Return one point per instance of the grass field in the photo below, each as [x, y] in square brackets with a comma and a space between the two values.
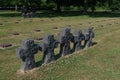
[100, 62]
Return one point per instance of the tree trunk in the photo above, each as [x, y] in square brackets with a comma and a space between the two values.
[93, 9]
[110, 2]
[58, 6]
[85, 6]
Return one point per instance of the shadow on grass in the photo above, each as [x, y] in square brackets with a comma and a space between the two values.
[39, 63]
[78, 13]
[94, 43]
[45, 14]
[72, 51]
[10, 14]
[57, 56]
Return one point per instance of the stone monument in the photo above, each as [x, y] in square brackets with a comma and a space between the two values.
[78, 37]
[47, 47]
[26, 53]
[89, 35]
[64, 39]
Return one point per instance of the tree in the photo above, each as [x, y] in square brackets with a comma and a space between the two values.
[58, 5]
[85, 6]
[114, 5]
[92, 4]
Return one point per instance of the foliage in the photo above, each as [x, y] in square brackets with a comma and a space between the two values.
[60, 4]
[115, 5]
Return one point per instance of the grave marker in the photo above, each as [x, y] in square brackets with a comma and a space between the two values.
[89, 34]
[26, 53]
[78, 37]
[47, 47]
[64, 39]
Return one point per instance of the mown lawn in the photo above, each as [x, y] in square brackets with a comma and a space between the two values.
[100, 62]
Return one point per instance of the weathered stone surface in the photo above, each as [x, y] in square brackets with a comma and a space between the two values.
[38, 38]
[29, 48]
[5, 45]
[47, 47]
[15, 33]
[55, 27]
[64, 39]
[89, 35]
[26, 53]
[78, 37]
[16, 22]
[37, 30]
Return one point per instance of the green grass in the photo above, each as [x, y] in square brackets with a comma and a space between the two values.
[100, 62]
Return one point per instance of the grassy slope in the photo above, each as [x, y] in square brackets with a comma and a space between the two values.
[100, 62]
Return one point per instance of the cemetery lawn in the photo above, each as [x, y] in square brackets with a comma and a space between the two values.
[99, 62]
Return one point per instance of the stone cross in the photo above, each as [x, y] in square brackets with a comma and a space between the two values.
[64, 39]
[26, 53]
[47, 47]
[24, 11]
[89, 34]
[78, 37]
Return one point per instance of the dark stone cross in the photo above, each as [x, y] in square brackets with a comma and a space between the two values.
[26, 53]
[15, 33]
[47, 47]
[5, 45]
[28, 13]
[24, 12]
[64, 39]
[78, 37]
[89, 34]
